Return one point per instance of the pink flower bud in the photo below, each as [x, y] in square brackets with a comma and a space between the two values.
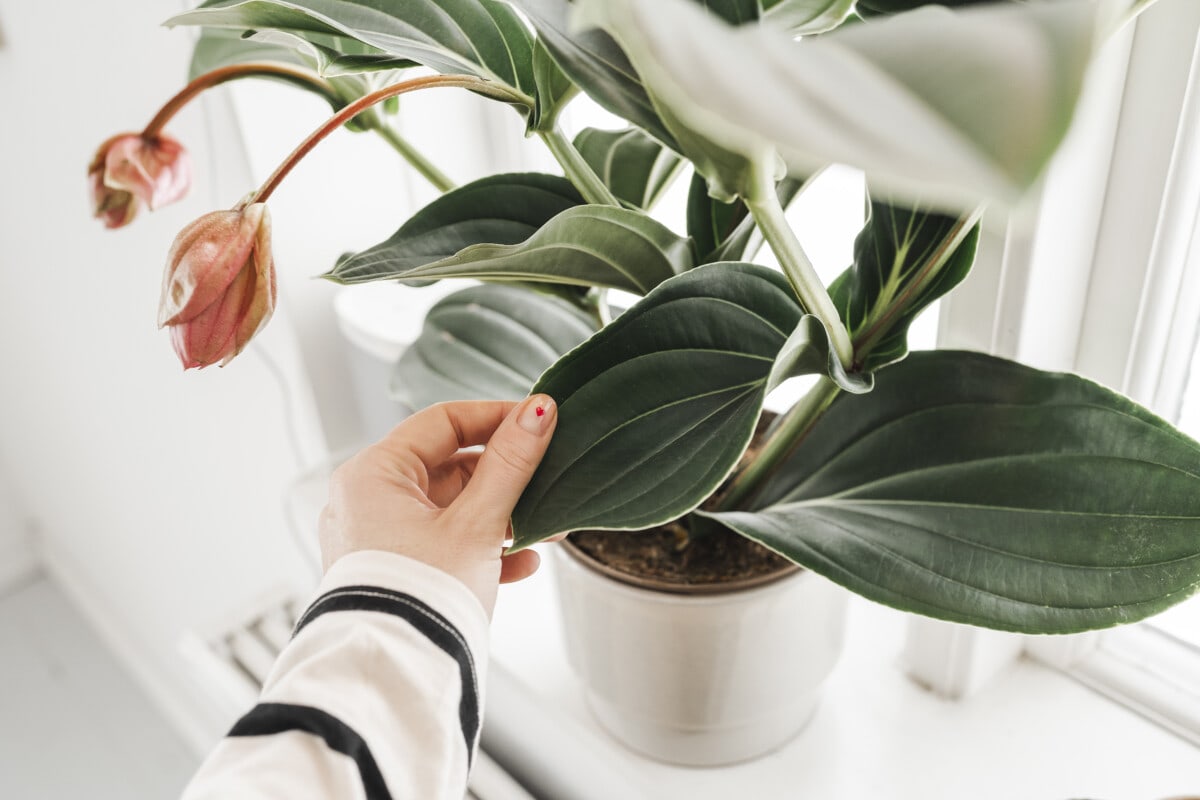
[115, 207]
[130, 170]
[219, 287]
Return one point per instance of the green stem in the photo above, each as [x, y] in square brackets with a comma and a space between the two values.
[603, 307]
[267, 69]
[477, 85]
[595, 303]
[764, 205]
[415, 158]
[781, 443]
[578, 171]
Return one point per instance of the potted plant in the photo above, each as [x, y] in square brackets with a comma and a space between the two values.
[951, 484]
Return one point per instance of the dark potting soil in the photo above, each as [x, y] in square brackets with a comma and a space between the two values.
[720, 557]
[666, 553]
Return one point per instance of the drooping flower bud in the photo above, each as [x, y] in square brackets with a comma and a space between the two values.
[219, 287]
[130, 170]
[115, 207]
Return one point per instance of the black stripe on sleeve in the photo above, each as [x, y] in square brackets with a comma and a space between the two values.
[424, 619]
[269, 718]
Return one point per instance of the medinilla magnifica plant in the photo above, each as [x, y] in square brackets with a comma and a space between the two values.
[952, 484]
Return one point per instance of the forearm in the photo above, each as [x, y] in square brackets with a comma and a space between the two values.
[378, 693]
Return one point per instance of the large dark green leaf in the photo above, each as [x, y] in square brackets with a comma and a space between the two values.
[981, 491]
[656, 408]
[486, 342]
[499, 209]
[904, 259]
[636, 167]
[484, 38]
[594, 62]
[582, 246]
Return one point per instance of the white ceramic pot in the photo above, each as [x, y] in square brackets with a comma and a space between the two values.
[700, 679]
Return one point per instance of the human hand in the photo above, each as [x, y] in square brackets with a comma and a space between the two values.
[417, 493]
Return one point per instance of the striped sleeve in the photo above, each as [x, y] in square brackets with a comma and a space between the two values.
[378, 695]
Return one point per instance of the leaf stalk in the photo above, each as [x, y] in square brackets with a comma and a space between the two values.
[781, 443]
[416, 159]
[764, 205]
[577, 170]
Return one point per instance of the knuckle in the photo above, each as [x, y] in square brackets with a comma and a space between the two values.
[516, 459]
[446, 409]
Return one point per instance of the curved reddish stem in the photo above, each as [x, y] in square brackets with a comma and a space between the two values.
[363, 103]
[229, 73]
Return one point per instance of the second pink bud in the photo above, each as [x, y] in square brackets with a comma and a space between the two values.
[131, 170]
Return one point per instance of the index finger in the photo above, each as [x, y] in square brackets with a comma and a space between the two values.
[438, 432]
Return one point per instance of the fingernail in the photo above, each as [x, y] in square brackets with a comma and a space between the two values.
[537, 413]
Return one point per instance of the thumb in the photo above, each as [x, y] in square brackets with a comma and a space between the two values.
[508, 462]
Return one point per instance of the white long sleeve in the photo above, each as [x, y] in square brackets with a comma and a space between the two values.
[378, 694]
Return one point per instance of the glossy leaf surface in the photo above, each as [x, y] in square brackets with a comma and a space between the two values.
[977, 490]
[656, 408]
[499, 209]
[582, 246]
[635, 166]
[904, 260]
[486, 342]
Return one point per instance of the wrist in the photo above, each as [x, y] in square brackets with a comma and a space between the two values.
[394, 572]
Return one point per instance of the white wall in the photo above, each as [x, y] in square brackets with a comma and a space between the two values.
[17, 557]
[352, 192]
[158, 495]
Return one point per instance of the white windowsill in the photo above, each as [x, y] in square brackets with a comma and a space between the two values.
[1148, 671]
[1032, 733]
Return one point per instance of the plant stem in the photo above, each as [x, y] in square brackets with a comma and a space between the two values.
[366, 101]
[415, 158]
[578, 171]
[306, 78]
[603, 308]
[764, 206]
[782, 442]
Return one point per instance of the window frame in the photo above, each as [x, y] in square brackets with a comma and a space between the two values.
[1060, 300]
